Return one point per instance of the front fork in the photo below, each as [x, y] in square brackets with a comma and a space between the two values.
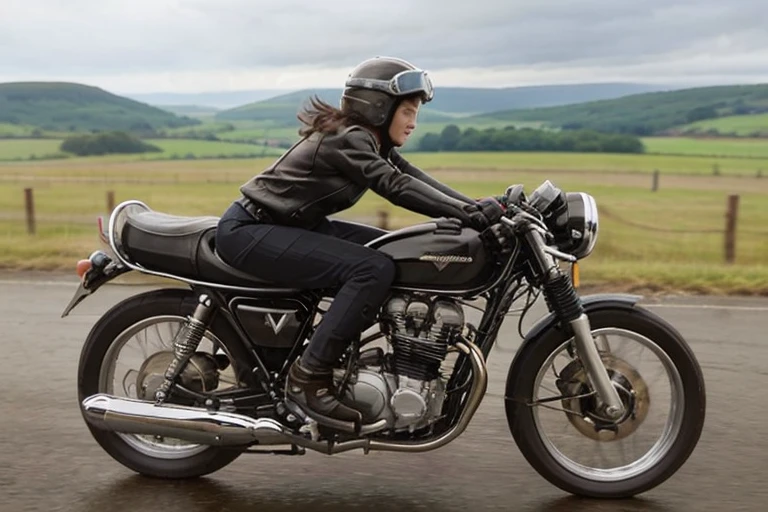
[565, 303]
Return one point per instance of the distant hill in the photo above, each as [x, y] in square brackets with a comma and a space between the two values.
[649, 113]
[218, 99]
[448, 102]
[56, 106]
[755, 125]
[198, 111]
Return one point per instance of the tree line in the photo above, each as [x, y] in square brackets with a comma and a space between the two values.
[528, 139]
[106, 144]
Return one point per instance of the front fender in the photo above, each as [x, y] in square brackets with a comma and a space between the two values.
[591, 304]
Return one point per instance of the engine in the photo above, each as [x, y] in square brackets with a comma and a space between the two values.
[406, 385]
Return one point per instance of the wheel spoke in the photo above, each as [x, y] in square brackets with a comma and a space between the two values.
[149, 338]
[592, 448]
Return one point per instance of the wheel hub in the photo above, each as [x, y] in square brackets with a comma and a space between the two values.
[200, 375]
[585, 413]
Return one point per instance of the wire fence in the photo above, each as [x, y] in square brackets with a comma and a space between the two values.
[717, 234]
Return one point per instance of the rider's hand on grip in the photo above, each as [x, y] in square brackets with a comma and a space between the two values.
[498, 237]
[492, 208]
[484, 213]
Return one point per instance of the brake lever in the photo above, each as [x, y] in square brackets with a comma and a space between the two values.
[521, 216]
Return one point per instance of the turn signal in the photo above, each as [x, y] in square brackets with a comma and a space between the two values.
[575, 274]
[83, 266]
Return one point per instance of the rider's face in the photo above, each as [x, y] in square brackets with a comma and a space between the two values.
[404, 121]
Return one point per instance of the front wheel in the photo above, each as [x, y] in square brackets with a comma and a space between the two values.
[557, 423]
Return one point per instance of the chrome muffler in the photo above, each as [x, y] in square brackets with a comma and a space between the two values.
[195, 425]
[200, 426]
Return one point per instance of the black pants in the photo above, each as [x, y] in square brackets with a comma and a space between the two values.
[330, 256]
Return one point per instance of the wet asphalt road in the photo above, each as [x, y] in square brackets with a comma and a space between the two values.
[48, 460]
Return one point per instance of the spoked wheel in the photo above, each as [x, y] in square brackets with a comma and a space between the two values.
[126, 355]
[558, 424]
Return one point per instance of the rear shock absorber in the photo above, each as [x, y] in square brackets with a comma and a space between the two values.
[185, 344]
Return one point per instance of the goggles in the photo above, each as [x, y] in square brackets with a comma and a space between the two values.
[402, 84]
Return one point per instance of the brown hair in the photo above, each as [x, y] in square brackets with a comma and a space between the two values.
[319, 116]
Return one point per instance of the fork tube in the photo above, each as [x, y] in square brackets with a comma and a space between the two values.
[563, 301]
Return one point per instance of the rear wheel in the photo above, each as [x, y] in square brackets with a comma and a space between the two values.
[557, 424]
[126, 354]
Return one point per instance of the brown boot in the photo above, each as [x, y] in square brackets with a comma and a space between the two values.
[314, 392]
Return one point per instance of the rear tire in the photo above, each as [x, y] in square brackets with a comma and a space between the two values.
[523, 425]
[175, 302]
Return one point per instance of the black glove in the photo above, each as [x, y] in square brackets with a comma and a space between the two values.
[484, 213]
[477, 220]
[491, 208]
[498, 238]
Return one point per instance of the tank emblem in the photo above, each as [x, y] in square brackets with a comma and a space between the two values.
[443, 260]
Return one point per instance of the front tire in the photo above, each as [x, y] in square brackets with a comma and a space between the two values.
[562, 467]
[134, 452]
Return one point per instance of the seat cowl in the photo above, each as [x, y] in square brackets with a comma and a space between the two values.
[183, 247]
[163, 224]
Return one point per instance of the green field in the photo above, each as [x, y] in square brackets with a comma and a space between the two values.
[15, 130]
[748, 148]
[742, 126]
[669, 239]
[666, 164]
[266, 129]
[205, 148]
[743, 157]
[13, 149]
[21, 149]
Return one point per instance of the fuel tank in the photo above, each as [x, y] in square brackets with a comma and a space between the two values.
[438, 256]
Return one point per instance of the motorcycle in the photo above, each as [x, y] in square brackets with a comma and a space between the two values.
[603, 397]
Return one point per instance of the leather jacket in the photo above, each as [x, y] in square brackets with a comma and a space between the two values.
[323, 174]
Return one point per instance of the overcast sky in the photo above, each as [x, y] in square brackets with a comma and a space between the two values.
[133, 46]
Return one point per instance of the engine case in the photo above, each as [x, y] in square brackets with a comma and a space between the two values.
[405, 403]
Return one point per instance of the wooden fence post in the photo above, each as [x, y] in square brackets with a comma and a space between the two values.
[110, 201]
[29, 206]
[655, 185]
[383, 219]
[731, 216]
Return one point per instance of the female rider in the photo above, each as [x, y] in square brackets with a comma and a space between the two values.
[278, 230]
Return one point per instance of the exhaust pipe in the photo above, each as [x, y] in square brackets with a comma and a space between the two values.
[200, 426]
[190, 424]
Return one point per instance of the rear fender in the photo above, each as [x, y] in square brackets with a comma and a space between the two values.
[102, 270]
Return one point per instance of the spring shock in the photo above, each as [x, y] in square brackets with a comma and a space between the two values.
[185, 344]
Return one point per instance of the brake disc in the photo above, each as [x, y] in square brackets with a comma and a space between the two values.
[583, 411]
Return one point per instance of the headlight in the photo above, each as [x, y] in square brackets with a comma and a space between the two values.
[575, 230]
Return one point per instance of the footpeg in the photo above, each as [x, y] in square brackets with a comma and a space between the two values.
[333, 424]
[316, 426]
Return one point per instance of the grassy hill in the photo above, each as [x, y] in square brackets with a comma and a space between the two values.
[755, 125]
[194, 111]
[649, 113]
[54, 106]
[449, 102]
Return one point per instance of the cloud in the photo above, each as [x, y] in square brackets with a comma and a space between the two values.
[118, 41]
